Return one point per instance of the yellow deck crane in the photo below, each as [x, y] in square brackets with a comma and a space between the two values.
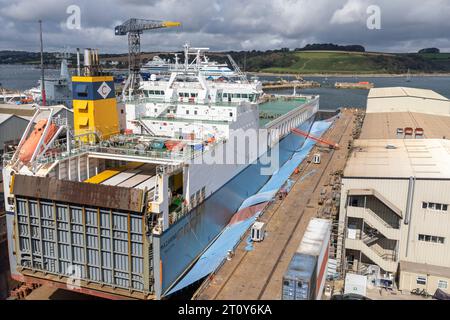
[134, 28]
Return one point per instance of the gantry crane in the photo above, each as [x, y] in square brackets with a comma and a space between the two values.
[134, 28]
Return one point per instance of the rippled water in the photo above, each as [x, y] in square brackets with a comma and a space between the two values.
[331, 98]
[23, 77]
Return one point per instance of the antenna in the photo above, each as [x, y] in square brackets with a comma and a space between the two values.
[236, 68]
[44, 102]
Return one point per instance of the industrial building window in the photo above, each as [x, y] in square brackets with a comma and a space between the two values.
[421, 280]
[435, 206]
[434, 239]
[442, 284]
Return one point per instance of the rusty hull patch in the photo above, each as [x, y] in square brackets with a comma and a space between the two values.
[84, 194]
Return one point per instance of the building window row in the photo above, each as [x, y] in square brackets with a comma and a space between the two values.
[435, 206]
[422, 280]
[428, 238]
[187, 95]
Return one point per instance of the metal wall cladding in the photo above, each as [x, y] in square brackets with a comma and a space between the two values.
[299, 281]
[95, 245]
[94, 195]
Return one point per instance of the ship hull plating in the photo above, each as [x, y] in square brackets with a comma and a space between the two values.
[179, 247]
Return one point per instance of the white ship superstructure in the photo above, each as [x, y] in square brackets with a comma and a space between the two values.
[211, 70]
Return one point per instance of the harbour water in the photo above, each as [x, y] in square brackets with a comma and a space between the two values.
[331, 98]
[22, 77]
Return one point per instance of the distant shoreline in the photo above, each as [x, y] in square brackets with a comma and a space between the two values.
[346, 75]
[275, 74]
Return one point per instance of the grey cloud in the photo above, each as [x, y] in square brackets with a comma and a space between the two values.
[407, 25]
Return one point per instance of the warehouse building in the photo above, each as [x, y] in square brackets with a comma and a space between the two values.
[11, 130]
[395, 205]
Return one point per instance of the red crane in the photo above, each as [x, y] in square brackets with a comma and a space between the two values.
[330, 144]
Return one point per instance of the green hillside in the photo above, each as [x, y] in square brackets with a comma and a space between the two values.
[308, 62]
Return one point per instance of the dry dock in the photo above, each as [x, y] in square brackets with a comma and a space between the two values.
[257, 274]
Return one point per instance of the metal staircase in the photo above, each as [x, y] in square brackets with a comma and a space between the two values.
[146, 128]
[359, 245]
[374, 221]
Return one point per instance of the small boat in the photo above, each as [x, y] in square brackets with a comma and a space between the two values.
[28, 148]
[408, 76]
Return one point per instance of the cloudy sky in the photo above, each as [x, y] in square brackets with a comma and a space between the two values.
[406, 25]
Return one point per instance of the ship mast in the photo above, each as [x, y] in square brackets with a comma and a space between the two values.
[42, 65]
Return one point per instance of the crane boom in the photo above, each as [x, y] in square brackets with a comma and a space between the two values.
[323, 141]
[140, 25]
[134, 28]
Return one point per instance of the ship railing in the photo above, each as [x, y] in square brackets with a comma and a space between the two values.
[178, 156]
[176, 102]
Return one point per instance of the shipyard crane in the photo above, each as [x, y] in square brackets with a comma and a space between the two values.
[134, 28]
[330, 144]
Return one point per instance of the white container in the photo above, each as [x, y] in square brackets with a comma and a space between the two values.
[317, 158]
[258, 231]
[355, 283]
[316, 242]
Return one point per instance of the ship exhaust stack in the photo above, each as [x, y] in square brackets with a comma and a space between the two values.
[94, 102]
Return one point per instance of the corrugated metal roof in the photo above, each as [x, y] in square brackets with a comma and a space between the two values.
[27, 110]
[400, 99]
[404, 92]
[424, 268]
[4, 117]
[400, 158]
[384, 125]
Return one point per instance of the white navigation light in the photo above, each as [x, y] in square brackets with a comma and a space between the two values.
[104, 90]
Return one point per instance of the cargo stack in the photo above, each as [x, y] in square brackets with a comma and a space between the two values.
[306, 274]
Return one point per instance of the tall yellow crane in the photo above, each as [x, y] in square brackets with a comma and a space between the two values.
[134, 28]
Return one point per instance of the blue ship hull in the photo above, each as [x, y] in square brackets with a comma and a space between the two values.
[179, 247]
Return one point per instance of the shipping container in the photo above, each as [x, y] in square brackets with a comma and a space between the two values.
[316, 243]
[299, 281]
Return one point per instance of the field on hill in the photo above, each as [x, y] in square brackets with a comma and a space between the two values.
[313, 62]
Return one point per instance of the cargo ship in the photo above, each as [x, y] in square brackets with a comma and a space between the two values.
[122, 205]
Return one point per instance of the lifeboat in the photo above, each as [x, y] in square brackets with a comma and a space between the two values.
[174, 145]
[28, 148]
